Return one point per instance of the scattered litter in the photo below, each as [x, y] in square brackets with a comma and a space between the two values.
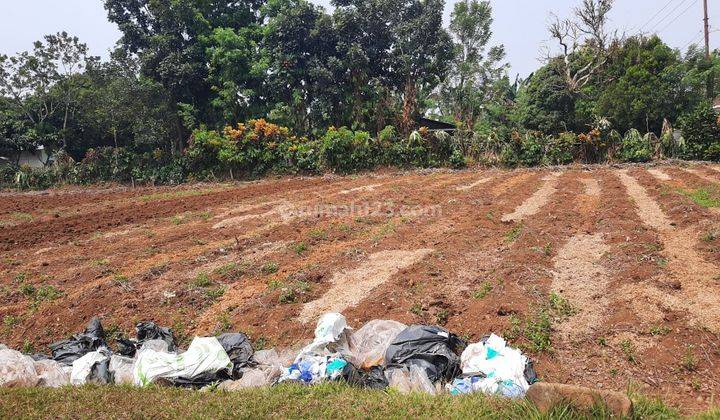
[432, 349]
[374, 378]
[413, 379]
[379, 355]
[493, 368]
[145, 332]
[369, 343]
[77, 346]
[315, 369]
[331, 336]
[198, 366]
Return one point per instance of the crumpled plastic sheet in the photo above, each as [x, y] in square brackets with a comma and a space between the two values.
[369, 344]
[205, 356]
[239, 349]
[493, 368]
[331, 337]
[17, 370]
[146, 332]
[52, 374]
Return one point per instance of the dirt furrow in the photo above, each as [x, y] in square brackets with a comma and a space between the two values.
[533, 204]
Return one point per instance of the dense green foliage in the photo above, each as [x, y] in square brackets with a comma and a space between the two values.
[194, 86]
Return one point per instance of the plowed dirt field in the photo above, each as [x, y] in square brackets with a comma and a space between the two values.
[608, 277]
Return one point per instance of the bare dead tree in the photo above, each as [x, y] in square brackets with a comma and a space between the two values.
[587, 29]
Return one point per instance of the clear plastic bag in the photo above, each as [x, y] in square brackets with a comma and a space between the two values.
[51, 374]
[121, 368]
[17, 370]
[369, 344]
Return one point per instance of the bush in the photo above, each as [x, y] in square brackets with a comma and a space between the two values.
[701, 133]
[345, 151]
[532, 149]
[561, 149]
[635, 148]
[253, 148]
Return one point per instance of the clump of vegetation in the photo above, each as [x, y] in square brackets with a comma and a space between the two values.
[202, 280]
[291, 293]
[689, 361]
[704, 197]
[441, 317]
[270, 267]
[299, 247]
[485, 288]
[628, 349]
[514, 233]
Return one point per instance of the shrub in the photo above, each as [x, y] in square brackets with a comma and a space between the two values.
[561, 149]
[701, 133]
[255, 148]
[345, 151]
[532, 149]
[635, 147]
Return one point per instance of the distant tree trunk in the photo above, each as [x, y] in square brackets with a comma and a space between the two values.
[409, 107]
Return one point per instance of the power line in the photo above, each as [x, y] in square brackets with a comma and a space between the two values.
[678, 16]
[654, 16]
[659, 22]
[695, 37]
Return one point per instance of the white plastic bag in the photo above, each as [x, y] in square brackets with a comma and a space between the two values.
[369, 344]
[502, 368]
[82, 368]
[17, 370]
[330, 337]
[121, 369]
[203, 355]
[52, 374]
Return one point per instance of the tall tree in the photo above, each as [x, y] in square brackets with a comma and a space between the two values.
[422, 53]
[43, 85]
[584, 34]
[190, 47]
[473, 80]
[305, 81]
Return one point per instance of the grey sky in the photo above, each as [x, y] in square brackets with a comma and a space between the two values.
[519, 24]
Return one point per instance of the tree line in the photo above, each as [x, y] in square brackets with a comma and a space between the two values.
[192, 86]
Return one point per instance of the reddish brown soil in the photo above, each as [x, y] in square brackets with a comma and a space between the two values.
[136, 254]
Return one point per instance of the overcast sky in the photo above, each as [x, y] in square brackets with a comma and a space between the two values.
[519, 24]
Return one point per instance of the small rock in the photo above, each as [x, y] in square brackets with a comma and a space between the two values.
[546, 396]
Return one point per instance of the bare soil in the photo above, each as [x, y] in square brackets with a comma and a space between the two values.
[476, 251]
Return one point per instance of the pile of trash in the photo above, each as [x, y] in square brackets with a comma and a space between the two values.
[379, 355]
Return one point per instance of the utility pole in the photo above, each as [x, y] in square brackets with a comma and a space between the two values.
[707, 30]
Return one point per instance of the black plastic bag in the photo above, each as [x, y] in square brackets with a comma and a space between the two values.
[68, 351]
[372, 379]
[197, 382]
[151, 331]
[146, 331]
[239, 349]
[126, 347]
[433, 349]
